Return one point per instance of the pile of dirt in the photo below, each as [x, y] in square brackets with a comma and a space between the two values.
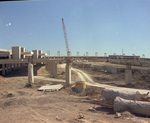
[42, 71]
[2, 79]
[89, 91]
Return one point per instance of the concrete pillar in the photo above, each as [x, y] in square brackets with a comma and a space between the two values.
[68, 73]
[19, 66]
[10, 68]
[30, 74]
[47, 66]
[3, 69]
[22, 65]
[7, 68]
[128, 74]
[53, 69]
[14, 67]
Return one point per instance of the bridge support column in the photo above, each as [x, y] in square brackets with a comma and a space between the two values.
[3, 69]
[30, 74]
[23, 65]
[13, 67]
[53, 69]
[16, 66]
[68, 73]
[128, 74]
[7, 68]
[10, 68]
[19, 66]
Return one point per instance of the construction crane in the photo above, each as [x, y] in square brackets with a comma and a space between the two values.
[67, 48]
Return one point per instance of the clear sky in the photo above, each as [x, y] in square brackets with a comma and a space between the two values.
[103, 26]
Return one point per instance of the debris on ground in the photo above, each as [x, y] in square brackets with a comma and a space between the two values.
[117, 115]
[80, 117]
[103, 102]
[92, 109]
[58, 118]
[28, 85]
[9, 95]
[50, 87]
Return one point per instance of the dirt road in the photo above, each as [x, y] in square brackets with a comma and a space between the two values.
[85, 77]
[82, 76]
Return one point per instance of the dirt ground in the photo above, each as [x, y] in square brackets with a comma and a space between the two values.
[19, 104]
[140, 76]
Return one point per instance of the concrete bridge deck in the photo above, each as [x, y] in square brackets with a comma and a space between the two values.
[9, 65]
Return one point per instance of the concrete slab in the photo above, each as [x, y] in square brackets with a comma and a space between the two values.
[50, 87]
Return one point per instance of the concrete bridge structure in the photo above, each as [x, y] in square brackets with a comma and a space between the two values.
[18, 57]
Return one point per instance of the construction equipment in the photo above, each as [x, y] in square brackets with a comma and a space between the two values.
[68, 60]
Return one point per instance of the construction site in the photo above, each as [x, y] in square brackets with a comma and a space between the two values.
[39, 88]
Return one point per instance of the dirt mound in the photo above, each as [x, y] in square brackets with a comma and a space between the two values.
[2, 79]
[89, 91]
[42, 71]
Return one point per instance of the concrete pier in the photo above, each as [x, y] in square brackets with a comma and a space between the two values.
[14, 67]
[10, 68]
[3, 69]
[30, 74]
[68, 73]
[7, 68]
[128, 74]
[52, 68]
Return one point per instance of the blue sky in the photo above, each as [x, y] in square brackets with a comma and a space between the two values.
[103, 26]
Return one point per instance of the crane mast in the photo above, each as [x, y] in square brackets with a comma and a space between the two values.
[65, 36]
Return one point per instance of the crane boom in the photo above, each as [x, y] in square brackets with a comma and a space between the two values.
[65, 36]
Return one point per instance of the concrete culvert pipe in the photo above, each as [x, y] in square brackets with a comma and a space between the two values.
[137, 107]
[112, 94]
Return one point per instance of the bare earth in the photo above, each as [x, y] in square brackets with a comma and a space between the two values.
[19, 104]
